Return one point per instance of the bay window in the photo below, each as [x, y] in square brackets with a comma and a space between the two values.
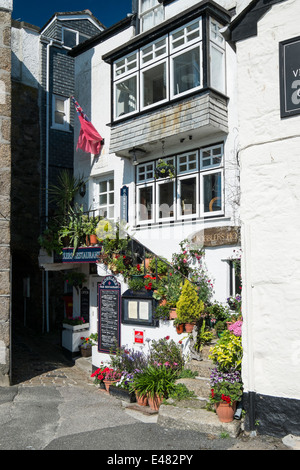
[196, 190]
[169, 67]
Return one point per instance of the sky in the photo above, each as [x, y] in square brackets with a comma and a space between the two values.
[38, 12]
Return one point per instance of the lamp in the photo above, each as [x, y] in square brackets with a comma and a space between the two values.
[136, 152]
[82, 189]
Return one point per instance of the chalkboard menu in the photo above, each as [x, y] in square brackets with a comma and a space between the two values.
[85, 304]
[289, 62]
[109, 311]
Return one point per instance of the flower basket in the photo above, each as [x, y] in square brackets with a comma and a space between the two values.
[86, 352]
[225, 411]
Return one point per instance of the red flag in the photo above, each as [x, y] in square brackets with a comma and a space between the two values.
[89, 140]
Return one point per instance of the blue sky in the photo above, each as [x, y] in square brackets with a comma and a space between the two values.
[38, 12]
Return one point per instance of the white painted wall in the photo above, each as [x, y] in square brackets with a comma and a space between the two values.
[25, 45]
[270, 207]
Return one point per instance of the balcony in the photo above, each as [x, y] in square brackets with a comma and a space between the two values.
[198, 116]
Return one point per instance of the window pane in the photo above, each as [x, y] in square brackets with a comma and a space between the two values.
[103, 199]
[186, 71]
[111, 185]
[126, 96]
[188, 196]
[212, 192]
[217, 69]
[145, 207]
[154, 84]
[69, 38]
[103, 186]
[166, 200]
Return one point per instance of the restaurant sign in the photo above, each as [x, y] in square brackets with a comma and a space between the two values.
[289, 62]
[87, 254]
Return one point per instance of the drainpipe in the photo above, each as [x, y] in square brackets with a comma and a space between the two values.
[49, 45]
[249, 333]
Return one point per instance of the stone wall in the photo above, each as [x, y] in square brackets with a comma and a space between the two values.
[5, 187]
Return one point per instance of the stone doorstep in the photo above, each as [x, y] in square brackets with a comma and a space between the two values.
[200, 420]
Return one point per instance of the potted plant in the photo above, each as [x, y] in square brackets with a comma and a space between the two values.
[111, 376]
[189, 307]
[159, 266]
[225, 395]
[136, 272]
[86, 346]
[164, 169]
[89, 228]
[179, 326]
[156, 383]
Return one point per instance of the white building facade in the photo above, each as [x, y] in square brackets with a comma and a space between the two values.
[266, 39]
[162, 91]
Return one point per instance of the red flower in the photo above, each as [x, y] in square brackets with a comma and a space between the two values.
[138, 267]
[167, 337]
[212, 393]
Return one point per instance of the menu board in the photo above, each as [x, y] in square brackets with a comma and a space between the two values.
[109, 306]
[85, 304]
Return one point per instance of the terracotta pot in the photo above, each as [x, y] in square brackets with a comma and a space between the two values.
[108, 383]
[147, 262]
[180, 328]
[93, 239]
[225, 411]
[189, 327]
[141, 399]
[154, 402]
[172, 314]
[163, 302]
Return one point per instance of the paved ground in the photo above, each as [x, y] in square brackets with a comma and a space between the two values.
[53, 405]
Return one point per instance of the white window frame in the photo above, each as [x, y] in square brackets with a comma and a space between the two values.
[186, 41]
[146, 179]
[188, 170]
[158, 185]
[145, 69]
[77, 34]
[66, 124]
[177, 54]
[212, 165]
[127, 65]
[108, 205]
[181, 216]
[123, 79]
[202, 176]
[154, 49]
[150, 10]
[138, 204]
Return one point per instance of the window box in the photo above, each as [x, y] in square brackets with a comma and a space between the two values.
[71, 336]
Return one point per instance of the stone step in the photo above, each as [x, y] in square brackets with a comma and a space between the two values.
[197, 419]
[200, 386]
[202, 367]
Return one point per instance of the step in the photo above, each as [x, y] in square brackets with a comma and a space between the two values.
[196, 419]
[200, 386]
[202, 367]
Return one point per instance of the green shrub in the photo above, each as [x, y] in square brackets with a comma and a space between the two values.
[228, 352]
[189, 307]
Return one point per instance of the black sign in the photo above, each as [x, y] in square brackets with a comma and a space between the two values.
[289, 61]
[85, 304]
[109, 308]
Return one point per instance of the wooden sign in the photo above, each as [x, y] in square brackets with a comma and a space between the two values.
[109, 311]
[217, 236]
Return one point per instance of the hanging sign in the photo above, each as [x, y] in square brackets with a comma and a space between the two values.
[109, 314]
[88, 254]
[289, 62]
